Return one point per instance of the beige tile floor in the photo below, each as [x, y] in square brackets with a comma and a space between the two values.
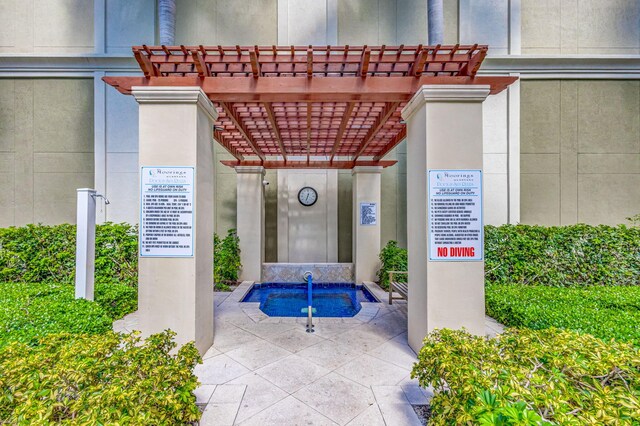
[268, 371]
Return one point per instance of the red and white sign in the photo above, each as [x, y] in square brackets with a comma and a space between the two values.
[455, 215]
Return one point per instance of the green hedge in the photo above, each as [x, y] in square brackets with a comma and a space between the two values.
[576, 255]
[97, 380]
[29, 311]
[562, 256]
[605, 312]
[40, 253]
[529, 377]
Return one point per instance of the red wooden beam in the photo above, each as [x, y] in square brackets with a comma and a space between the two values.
[392, 144]
[255, 65]
[364, 62]
[201, 65]
[309, 62]
[237, 122]
[276, 130]
[308, 165]
[226, 145]
[418, 65]
[297, 89]
[343, 127]
[389, 109]
[148, 69]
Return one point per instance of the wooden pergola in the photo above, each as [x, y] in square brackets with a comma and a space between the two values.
[309, 106]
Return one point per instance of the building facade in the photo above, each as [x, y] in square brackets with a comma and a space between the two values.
[561, 146]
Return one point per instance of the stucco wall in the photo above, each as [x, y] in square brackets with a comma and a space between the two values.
[226, 22]
[580, 151]
[46, 148]
[580, 26]
[37, 26]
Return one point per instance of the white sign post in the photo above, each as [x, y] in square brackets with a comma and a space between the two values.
[166, 216]
[85, 243]
[455, 215]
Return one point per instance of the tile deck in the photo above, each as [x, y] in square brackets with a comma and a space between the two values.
[268, 371]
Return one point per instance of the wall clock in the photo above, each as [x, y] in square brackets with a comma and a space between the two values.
[307, 196]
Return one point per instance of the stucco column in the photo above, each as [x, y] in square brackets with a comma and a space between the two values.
[177, 292]
[366, 222]
[250, 221]
[444, 132]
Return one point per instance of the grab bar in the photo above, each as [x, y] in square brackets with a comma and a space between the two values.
[309, 277]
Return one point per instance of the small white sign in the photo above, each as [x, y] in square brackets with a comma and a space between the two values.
[455, 215]
[166, 215]
[368, 214]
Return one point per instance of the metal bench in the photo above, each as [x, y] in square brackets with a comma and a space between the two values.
[399, 287]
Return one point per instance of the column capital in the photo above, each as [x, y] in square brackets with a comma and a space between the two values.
[174, 95]
[445, 93]
[366, 169]
[250, 169]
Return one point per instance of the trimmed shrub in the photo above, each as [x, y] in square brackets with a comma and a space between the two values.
[116, 253]
[226, 263]
[528, 377]
[576, 255]
[605, 312]
[564, 256]
[40, 253]
[29, 311]
[392, 258]
[105, 379]
[117, 300]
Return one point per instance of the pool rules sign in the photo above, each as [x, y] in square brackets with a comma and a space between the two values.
[455, 215]
[166, 216]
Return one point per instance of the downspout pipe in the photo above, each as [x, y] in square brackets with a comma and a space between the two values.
[435, 19]
[167, 22]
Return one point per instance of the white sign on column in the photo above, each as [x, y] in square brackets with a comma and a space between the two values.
[368, 214]
[166, 216]
[455, 215]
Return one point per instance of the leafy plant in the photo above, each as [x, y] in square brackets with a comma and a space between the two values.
[41, 253]
[635, 220]
[605, 312]
[529, 377]
[576, 255]
[392, 258]
[105, 379]
[29, 311]
[117, 300]
[564, 256]
[226, 255]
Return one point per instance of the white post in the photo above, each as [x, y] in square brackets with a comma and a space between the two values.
[366, 183]
[85, 243]
[444, 144]
[250, 221]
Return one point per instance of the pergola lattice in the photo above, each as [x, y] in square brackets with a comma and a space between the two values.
[309, 106]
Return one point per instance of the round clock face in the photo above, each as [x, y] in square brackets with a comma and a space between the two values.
[307, 196]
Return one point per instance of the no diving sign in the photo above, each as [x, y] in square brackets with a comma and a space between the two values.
[455, 215]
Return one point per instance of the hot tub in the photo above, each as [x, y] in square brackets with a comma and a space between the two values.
[329, 299]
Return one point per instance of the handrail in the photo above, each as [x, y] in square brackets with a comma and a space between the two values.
[309, 276]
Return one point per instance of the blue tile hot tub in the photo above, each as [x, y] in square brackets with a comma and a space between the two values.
[329, 299]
